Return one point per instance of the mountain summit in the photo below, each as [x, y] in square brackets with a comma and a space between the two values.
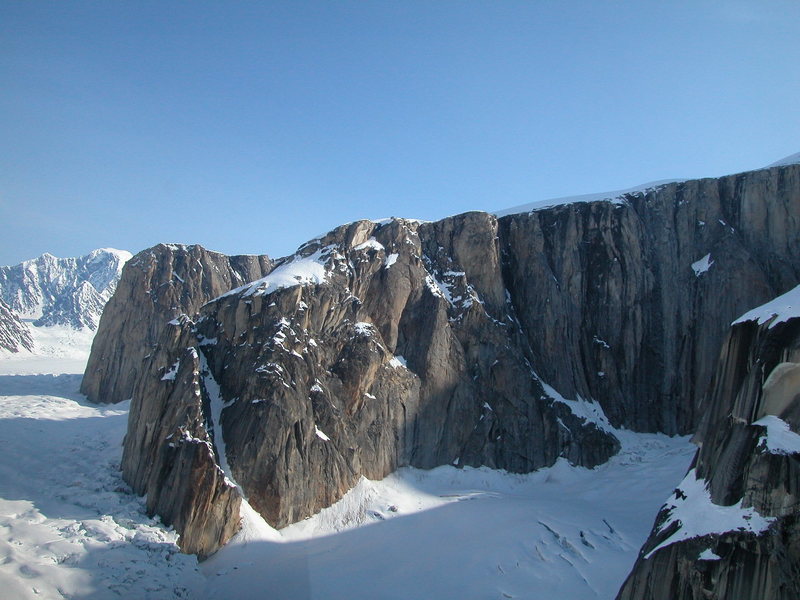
[49, 291]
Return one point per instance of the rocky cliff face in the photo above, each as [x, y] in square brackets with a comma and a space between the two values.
[63, 291]
[156, 286]
[471, 340]
[368, 350]
[628, 302]
[14, 334]
[731, 530]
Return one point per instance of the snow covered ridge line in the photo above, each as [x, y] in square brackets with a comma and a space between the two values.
[697, 516]
[298, 270]
[619, 196]
[777, 310]
[63, 291]
[792, 159]
[614, 197]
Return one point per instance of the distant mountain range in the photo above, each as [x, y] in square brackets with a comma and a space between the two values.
[48, 291]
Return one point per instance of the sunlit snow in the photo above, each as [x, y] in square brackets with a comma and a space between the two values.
[615, 197]
[305, 270]
[72, 527]
[792, 159]
[697, 516]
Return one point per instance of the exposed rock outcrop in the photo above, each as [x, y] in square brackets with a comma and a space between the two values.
[169, 452]
[14, 334]
[156, 286]
[628, 302]
[407, 343]
[731, 530]
[320, 387]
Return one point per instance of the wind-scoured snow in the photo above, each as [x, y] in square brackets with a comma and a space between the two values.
[701, 266]
[616, 197]
[696, 515]
[779, 438]
[778, 310]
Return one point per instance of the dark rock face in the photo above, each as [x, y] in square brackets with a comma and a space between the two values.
[611, 304]
[156, 286]
[169, 452]
[393, 357]
[754, 403]
[405, 343]
[14, 334]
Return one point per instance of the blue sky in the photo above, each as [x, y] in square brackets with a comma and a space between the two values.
[252, 127]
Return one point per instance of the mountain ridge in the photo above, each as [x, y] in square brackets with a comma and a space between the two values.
[48, 292]
[577, 307]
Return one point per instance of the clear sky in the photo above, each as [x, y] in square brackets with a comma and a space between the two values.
[250, 127]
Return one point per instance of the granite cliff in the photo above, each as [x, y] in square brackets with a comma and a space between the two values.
[731, 529]
[473, 340]
[156, 286]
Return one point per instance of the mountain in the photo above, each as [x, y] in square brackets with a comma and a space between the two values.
[730, 530]
[62, 291]
[157, 285]
[507, 342]
[14, 334]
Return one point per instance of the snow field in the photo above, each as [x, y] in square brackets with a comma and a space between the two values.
[69, 525]
[562, 532]
[71, 528]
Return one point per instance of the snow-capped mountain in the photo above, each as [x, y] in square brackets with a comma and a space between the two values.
[14, 334]
[51, 305]
[63, 291]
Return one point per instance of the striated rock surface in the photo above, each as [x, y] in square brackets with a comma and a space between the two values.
[156, 286]
[731, 530]
[14, 334]
[473, 340]
[627, 302]
[169, 451]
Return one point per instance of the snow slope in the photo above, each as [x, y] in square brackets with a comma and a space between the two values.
[777, 310]
[70, 528]
[562, 532]
[618, 196]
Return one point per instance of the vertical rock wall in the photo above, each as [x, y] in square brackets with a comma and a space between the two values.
[615, 304]
[406, 343]
[748, 466]
[156, 285]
